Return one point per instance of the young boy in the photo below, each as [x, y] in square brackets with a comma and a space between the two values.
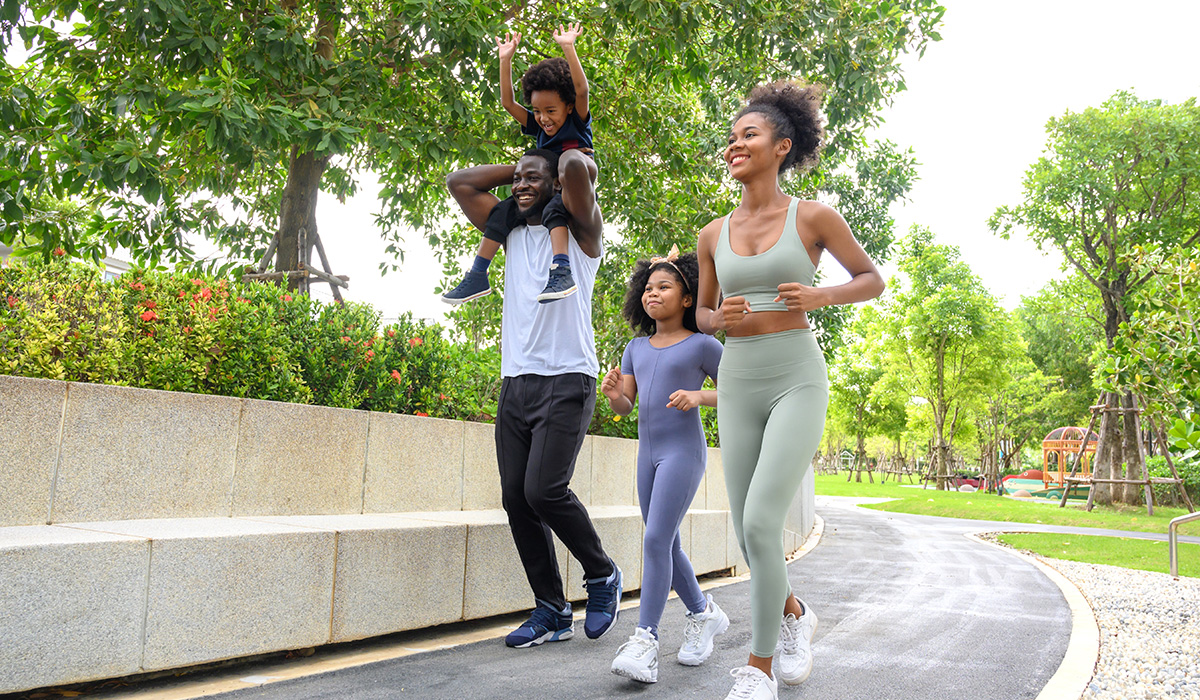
[560, 120]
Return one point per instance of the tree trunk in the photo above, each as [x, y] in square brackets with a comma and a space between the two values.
[1108, 451]
[1133, 453]
[298, 209]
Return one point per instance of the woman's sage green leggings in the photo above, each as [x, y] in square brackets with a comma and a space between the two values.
[772, 391]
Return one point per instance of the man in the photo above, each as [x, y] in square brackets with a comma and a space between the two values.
[549, 369]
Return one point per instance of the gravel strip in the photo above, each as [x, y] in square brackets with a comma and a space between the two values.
[1149, 631]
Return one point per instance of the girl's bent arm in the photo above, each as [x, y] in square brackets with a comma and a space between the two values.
[507, 47]
[566, 40]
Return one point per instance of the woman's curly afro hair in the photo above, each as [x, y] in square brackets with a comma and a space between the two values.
[794, 112]
[685, 269]
[551, 74]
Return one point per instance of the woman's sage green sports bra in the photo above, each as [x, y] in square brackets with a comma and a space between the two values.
[757, 277]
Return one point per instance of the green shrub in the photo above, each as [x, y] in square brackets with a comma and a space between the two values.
[62, 321]
[1167, 494]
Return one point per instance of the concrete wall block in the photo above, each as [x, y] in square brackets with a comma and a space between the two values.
[413, 463]
[480, 474]
[620, 529]
[139, 453]
[222, 588]
[495, 582]
[709, 541]
[717, 498]
[294, 459]
[73, 605]
[393, 573]
[614, 471]
[30, 422]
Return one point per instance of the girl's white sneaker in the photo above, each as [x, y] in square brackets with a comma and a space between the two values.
[637, 659]
[699, 633]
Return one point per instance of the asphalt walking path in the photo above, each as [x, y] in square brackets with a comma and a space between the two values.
[909, 608]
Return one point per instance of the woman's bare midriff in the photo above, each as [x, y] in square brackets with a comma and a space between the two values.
[764, 322]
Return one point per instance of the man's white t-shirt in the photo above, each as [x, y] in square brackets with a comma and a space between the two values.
[546, 339]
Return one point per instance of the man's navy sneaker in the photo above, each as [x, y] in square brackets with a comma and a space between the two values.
[544, 625]
[604, 603]
[559, 286]
[473, 286]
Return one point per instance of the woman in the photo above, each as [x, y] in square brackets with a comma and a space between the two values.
[772, 386]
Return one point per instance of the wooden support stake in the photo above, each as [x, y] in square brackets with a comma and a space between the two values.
[262, 264]
[1078, 457]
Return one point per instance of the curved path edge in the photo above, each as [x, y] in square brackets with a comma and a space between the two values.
[1083, 650]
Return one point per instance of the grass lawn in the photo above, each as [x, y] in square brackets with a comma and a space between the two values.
[984, 506]
[1116, 551]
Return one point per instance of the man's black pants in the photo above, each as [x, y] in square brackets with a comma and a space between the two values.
[540, 426]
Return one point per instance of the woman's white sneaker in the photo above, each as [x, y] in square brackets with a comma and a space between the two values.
[752, 684]
[793, 653]
[637, 659]
[699, 633]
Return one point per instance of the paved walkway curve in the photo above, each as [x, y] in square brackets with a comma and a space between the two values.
[908, 607]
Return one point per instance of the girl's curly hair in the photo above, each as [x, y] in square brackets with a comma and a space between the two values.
[685, 269]
[794, 111]
[550, 74]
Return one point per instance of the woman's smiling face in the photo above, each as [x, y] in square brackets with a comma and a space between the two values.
[752, 146]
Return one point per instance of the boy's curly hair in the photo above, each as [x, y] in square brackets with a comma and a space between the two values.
[550, 74]
[794, 111]
[685, 269]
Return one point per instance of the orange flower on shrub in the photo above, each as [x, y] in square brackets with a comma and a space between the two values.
[148, 316]
[149, 304]
[182, 294]
[397, 377]
[345, 339]
[138, 286]
[197, 282]
[443, 397]
[206, 294]
[415, 341]
[58, 252]
[287, 297]
[421, 414]
[391, 333]
[370, 354]
[12, 301]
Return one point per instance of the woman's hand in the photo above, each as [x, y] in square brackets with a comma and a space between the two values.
[612, 386]
[506, 46]
[684, 400]
[799, 297]
[732, 312]
[568, 35]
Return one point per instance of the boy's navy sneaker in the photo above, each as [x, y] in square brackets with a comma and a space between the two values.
[473, 286]
[544, 625]
[604, 603]
[560, 285]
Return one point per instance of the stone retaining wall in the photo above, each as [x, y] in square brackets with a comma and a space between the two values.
[143, 530]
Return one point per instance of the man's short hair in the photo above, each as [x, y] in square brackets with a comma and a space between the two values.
[550, 157]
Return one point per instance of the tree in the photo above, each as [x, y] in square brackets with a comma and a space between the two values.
[226, 118]
[1061, 325]
[1114, 180]
[946, 338]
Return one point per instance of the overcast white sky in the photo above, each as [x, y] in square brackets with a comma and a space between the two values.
[974, 113]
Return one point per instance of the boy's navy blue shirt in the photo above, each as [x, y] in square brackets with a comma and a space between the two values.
[574, 133]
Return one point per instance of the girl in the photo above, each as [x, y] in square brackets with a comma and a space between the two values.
[665, 372]
[773, 386]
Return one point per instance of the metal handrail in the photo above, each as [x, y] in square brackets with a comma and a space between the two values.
[1173, 538]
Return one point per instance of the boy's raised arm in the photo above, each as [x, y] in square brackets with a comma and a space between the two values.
[507, 46]
[566, 40]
